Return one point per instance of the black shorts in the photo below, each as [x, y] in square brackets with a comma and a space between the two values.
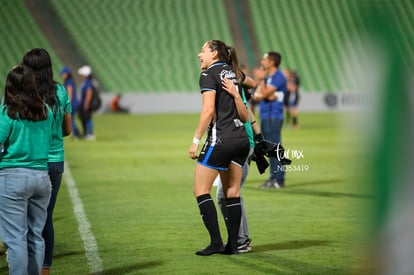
[225, 151]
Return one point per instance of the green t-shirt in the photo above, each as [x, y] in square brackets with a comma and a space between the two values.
[62, 107]
[27, 142]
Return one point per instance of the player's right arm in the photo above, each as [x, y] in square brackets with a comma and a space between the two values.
[206, 116]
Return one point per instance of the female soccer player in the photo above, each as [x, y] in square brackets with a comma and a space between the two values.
[226, 147]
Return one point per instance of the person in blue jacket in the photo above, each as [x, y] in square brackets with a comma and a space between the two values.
[270, 92]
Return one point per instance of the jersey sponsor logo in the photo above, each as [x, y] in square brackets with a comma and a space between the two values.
[238, 123]
[227, 74]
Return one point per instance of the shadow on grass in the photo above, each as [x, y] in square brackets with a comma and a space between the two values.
[328, 194]
[289, 245]
[68, 253]
[329, 181]
[131, 268]
[269, 263]
[295, 189]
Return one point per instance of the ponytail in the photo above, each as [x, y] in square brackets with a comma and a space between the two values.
[227, 54]
[234, 62]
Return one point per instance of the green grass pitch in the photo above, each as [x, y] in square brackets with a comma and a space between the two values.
[136, 181]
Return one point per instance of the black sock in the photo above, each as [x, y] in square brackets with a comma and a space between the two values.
[209, 215]
[233, 223]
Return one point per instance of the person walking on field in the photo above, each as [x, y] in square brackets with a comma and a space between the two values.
[226, 146]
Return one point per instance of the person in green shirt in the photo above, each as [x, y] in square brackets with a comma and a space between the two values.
[56, 96]
[25, 188]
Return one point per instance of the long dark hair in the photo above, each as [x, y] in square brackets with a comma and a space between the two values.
[227, 54]
[21, 97]
[39, 61]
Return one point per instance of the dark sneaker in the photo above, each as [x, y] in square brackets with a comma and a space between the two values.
[245, 246]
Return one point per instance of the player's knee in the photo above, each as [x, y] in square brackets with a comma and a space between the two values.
[233, 192]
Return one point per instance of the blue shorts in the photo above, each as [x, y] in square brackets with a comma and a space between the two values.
[225, 151]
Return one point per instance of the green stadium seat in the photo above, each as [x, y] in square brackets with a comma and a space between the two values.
[19, 34]
[144, 46]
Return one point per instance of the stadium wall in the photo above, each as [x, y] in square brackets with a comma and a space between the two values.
[190, 102]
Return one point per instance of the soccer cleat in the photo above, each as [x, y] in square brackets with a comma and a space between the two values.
[269, 184]
[229, 250]
[210, 250]
[245, 246]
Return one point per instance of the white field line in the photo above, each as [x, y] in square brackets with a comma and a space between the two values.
[89, 242]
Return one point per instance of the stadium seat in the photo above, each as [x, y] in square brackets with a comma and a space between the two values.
[144, 46]
[19, 34]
